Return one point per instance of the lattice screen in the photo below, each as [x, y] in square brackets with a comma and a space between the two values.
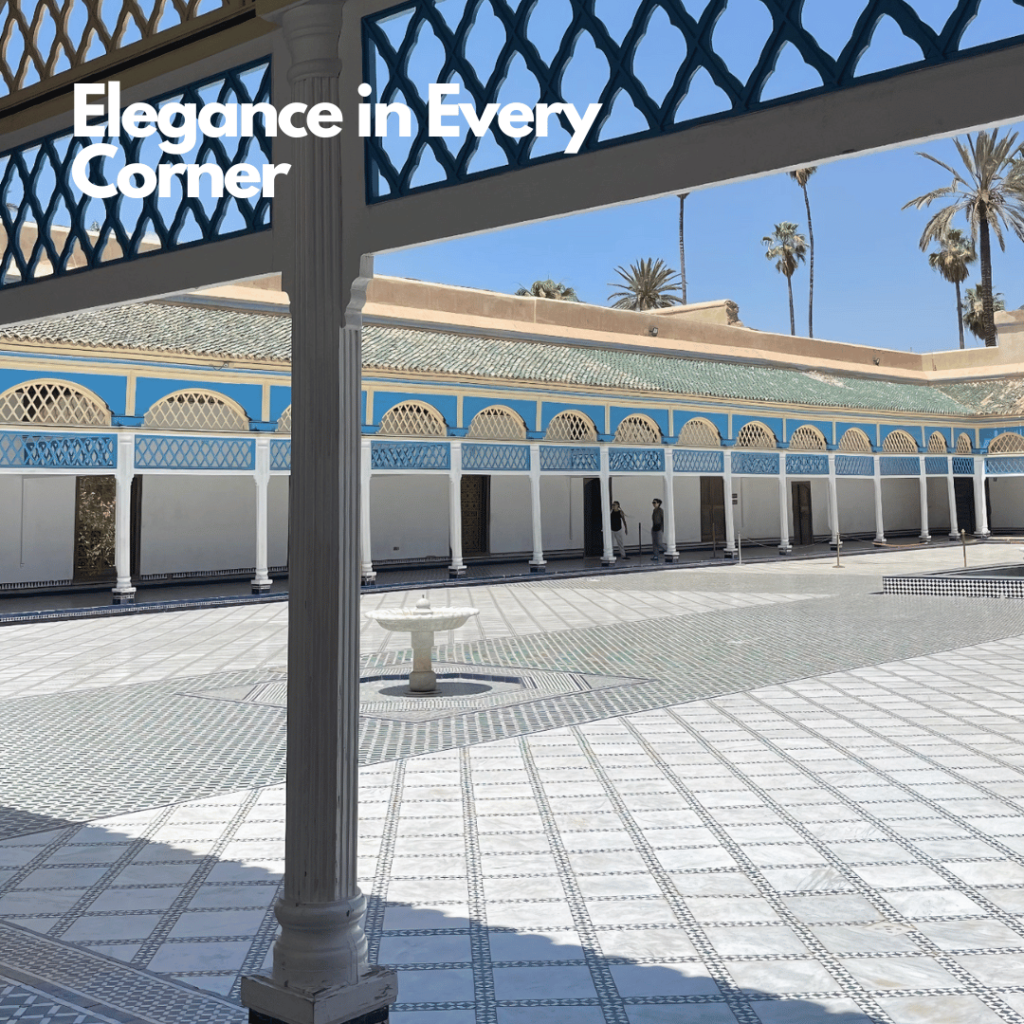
[808, 439]
[571, 426]
[855, 440]
[413, 419]
[497, 423]
[1006, 443]
[196, 410]
[699, 433]
[964, 444]
[637, 429]
[937, 443]
[755, 435]
[54, 404]
[284, 424]
[900, 441]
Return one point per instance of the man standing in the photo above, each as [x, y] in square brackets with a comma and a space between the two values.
[657, 531]
[619, 529]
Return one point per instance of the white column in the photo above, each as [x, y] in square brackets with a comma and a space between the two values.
[537, 563]
[730, 515]
[879, 527]
[124, 592]
[784, 546]
[833, 499]
[366, 572]
[458, 567]
[923, 484]
[671, 555]
[261, 477]
[321, 971]
[980, 504]
[608, 557]
[954, 524]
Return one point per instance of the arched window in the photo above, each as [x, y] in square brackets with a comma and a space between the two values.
[571, 426]
[53, 403]
[413, 419]
[700, 433]
[497, 423]
[638, 429]
[808, 439]
[197, 410]
[284, 423]
[964, 444]
[901, 442]
[855, 440]
[937, 443]
[1006, 443]
[755, 435]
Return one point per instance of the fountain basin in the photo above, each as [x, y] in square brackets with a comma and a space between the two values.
[985, 581]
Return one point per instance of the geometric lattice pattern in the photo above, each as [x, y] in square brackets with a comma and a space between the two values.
[755, 435]
[964, 445]
[154, 452]
[52, 404]
[937, 443]
[413, 419]
[936, 465]
[1005, 466]
[700, 76]
[807, 438]
[1006, 443]
[899, 465]
[900, 441]
[698, 462]
[281, 455]
[409, 455]
[636, 460]
[196, 410]
[571, 426]
[58, 451]
[495, 457]
[963, 466]
[497, 423]
[638, 429]
[586, 459]
[755, 463]
[807, 465]
[855, 440]
[48, 228]
[284, 423]
[855, 465]
[699, 433]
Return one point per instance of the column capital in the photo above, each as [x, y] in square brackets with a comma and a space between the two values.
[312, 31]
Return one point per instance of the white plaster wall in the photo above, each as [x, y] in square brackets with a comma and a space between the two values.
[938, 505]
[687, 491]
[819, 505]
[561, 502]
[409, 516]
[195, 523]
[1007, 494]
[758, 511]
[635, 494]
[277, 521]
[37, 528]
[856, 506]
[511, 525]
[901, 505]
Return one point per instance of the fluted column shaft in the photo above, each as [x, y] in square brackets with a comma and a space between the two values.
[124, 592]
[537, 563]
[833, 498]
[261, 477]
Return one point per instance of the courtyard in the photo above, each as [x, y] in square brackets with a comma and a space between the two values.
[727, 795]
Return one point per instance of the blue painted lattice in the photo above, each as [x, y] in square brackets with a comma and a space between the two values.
[410, 455]
[698, 462]
[937, 465]
[807, 465]
[58, 451]
[565, 458]
[657, 66]
[900, 465]
[636, 460]
[51, 229]
[963, 465]
[281, 455]
[855, 465]
[496, 457]
[162, 452]
[1004, 465]
[756, 463]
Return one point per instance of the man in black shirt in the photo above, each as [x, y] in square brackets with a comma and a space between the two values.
[657, 531]
[619, 529]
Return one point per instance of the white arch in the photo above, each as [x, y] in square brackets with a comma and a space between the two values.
[196, 409]
[700, 433]
[937, 443]
[284, 422]
[53, 403]
[497, 423]
[571, 425]
[964, 444]
[900, 442]
[756, 435]
[638, 429]
[1006, 443]
[413, 419]
[808, 438]
[855, 440]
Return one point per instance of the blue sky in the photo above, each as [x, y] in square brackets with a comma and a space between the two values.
[872, 284]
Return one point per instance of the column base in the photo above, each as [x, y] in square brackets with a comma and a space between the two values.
[834, 545]
[925, 538]
[538, 567]
[124, 596]
[726, 553]
[984, 535]
[260, 586]
[456, 573]
[366, 1002]
[785, 549]
[367, 578]
[880, 540]
[671, 556]
[607, 563]
[954, 536]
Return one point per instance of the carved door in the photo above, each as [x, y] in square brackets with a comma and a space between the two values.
[476, 492]
[712, 510]
[802, 531]
[95, 497]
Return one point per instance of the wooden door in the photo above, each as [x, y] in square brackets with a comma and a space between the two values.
[803, 532]
[593, 534]
[712, 510]
[476, 493]
[95, 497]
[965, 511]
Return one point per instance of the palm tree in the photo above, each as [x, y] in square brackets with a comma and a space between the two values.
[974, 310]
[800, 176]
[991, 197]
[682, 246]
[648, 284]
[790, 249]
[951, 260]
[550, 290]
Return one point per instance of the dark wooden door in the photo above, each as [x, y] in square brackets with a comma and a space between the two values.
[712, 510]
[95, 497]
[476, 494]
[802, 530]
[965, 510]
[593, 535]
[136, 535]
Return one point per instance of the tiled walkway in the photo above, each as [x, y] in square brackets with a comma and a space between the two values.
[833, 834]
